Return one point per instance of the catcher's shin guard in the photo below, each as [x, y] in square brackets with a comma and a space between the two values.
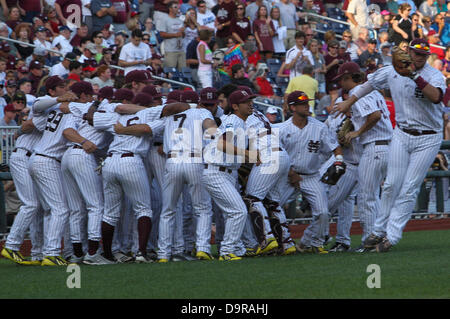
[274, 221]
[256, 217]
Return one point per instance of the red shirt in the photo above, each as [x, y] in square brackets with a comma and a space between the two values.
[254, 58]
[440, 53]
[391, 108]
[266, 88]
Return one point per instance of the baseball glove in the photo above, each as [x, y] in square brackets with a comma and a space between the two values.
[401, 61]
[346, 127]
[333, 173]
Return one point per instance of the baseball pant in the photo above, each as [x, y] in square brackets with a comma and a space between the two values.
[409, 159]
[371, 173]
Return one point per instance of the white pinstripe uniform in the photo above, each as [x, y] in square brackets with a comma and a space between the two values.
[275, 164]
[31, 212]
[45, 170]
[304, 146]
[124, 171]
[220, 179]
[341, 197]
[373, 163]
[183, 135]
[83, 186]
[410, 156]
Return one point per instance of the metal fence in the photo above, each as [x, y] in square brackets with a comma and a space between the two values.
[8, 142]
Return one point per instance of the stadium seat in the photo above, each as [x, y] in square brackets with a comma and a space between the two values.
[335, 12]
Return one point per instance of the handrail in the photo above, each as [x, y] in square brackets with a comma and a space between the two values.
[28, 44]
[174, 82]
[270, 105]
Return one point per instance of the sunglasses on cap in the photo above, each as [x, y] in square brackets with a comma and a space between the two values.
[421, 46]
[302, 98]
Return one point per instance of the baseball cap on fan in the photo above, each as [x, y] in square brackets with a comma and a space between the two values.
[347, 68]
[208, 96]
[420, 46]
[298, 97]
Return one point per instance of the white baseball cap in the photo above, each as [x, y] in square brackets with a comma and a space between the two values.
[272, 110]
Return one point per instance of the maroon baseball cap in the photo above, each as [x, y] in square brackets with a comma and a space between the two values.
[138, 76]
[245, 88]
[420, 46]
[52, 82]
[143, 99]
[347, 68]
[298, 97]
[189, 97]
[208, 96]
[240, 96]
[106, 92]
[82, 87]
[174, 96]
[9, 108]
[35, 64]
[153, 90]
[4, 46]
[123, 94]
[23, 69]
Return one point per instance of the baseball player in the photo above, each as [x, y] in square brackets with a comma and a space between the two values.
[223, 156]
[304, 138]
[124, 172]
[417, 91]
[45, 168]
[370, 118]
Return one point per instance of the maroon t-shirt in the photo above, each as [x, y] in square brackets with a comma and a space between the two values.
[76, 41]
[160, 6]
[122, 9]
[333, 71]
[30, 5]
[11, 3]
[13, 23]
[241, 27]
[65, 3]
[261, 28]
[224, 14]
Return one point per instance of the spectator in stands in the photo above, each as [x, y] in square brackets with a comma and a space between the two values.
[332, 62]
[192, 60]
[327, 101]
[205, 61]
[205, 17]
[82, 32]
[13, 18]
[319, 65]
[327, 37]
[386, 53]
[62, 68]
[426, 21]
[186, 5]
[103, 12]
[191, 27]
[62, 41]
[154, 38]
[225, 13]
[88, 56]
[23, 32]
[442, 28]
[252, 9]
[298, 56]
[428, 8]
[108, 35]
[402, 25]
[103, 77]
[36, 74]
[433, 38]
[446, 61]
[371, 53]
[9, 116]
[238, 78]
[333, 4]
[411, 4]
[280, 33]
[363, 41]
[53, 20]
[289, 19]
[123, 14]
[172, 31]
[358, 16]
[10, 88]
[352, 48]
[264, 31]
[135, 55]
[240, 25]
[75, 71]
[271, 114]
[306, 83]
[438, 65]
[416, 28]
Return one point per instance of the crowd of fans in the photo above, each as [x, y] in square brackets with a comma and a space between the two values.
[272, 47]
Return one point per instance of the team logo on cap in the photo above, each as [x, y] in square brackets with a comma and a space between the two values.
[244, 93]
[209, 95]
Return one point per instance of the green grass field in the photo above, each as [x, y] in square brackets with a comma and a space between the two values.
[417, 268]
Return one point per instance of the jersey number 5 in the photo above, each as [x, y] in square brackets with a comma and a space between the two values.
[54, 118]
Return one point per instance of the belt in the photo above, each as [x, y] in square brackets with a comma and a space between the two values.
[123, 155]
[417, 132]
[382, 142]
[220, 168]
[49, 157]
[277, 149]
[27, 154]
[77, 147]
[157, 144]
[175, 155]
[304, 174]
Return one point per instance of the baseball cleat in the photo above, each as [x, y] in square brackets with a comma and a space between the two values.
[183, 257]
[229, 257]
[122, 258]
[372, 241]
[303, 248]
[361, 249]
[163, 260]
[271, 245]
[76, 260]
[384, 246]
[97, 259]
[318, 250]
[328, 240]
[339, 247]
[35, 263]
[251, 252]
[15, 256]
[152, 254]
[290, 251]
[201, 255]
[142, 259]
[54, 261]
